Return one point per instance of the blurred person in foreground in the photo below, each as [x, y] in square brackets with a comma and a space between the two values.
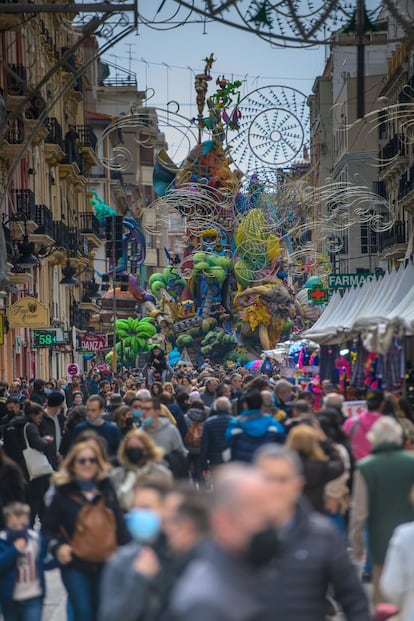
[311, 557]
[397, 579]
[381, 494]
[128, 590]
[223, 583]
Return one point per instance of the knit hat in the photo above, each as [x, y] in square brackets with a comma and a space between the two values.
[55, 398]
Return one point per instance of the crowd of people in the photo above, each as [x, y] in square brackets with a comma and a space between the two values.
[215, 495]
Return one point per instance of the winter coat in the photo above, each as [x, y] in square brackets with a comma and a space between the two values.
[14, 442]
[9, 557]
[47, 428]
[311, 558]
[62, 514]
[177, 412]
[218, 587]
[397, 577]
[356, 429]
[125, 477]
[198, 416]
[166, 436]
[248, 431]
[213, 439]
[388, 478]
[122, 585]
[317, 473]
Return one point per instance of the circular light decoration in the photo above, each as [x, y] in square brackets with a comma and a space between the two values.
[274, 127]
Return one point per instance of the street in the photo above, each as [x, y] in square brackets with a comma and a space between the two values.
[55, 604]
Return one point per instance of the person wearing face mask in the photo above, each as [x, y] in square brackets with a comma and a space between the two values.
[312, 557]
[139, 459]
[124, 418]
[128, 591]
[223, 583]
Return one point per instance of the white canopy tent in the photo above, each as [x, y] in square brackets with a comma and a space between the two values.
[377, 311]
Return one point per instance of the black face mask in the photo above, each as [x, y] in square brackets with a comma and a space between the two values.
[135, 454]
[262, 547]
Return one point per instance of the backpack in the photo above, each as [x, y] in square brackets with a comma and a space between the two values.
[193, 436]
[94, 536]
[178, 464]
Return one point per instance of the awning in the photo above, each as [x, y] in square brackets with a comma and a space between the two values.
[376, 311]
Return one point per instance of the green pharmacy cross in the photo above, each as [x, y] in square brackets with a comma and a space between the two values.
[318, 295]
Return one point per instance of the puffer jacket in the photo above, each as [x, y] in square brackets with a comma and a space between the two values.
[247, 432]
[312, 557]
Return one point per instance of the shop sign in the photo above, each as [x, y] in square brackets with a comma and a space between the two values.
[28, 312]
[94, 342]
[345, 281]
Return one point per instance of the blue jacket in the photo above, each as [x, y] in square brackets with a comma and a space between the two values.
[213, 439]
[250, 430]
[8, 566]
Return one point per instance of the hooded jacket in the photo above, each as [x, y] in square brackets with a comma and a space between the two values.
[247, 432]
[166, 436]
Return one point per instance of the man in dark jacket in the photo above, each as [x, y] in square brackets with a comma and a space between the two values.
[214, 431]
[53, 424]
[223, 583]
[38, 394]
[312, 556]
[251, 429]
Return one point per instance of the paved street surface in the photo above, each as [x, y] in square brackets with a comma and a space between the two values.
[55, 604]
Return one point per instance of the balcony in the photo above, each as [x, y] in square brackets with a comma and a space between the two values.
[394, 240]
[78, 247]
[90, 228]
[379, 188]
[405, 189]
[9, 21]
[14, 138]
[89, 295]
[54, 141]
[74, 155]
[394, 157]
[87, 142]
[15, 83]
[45, 232]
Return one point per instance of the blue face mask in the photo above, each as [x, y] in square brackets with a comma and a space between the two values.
[63, 387]
[136, 413]
[143, 524]
[147, 422]
[47, 391]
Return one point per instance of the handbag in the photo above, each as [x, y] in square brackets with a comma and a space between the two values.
[37, 463]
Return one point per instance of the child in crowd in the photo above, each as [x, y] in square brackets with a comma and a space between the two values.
[22, 551]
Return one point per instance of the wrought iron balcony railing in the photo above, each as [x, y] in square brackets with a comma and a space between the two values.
[44, 221]
[89, 223]
[23, 204]
[397, 234]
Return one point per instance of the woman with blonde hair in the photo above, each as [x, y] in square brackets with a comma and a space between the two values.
[140, 458]
[83, 526]
[321, 462]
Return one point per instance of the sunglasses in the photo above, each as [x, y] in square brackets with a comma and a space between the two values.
[86, 460]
